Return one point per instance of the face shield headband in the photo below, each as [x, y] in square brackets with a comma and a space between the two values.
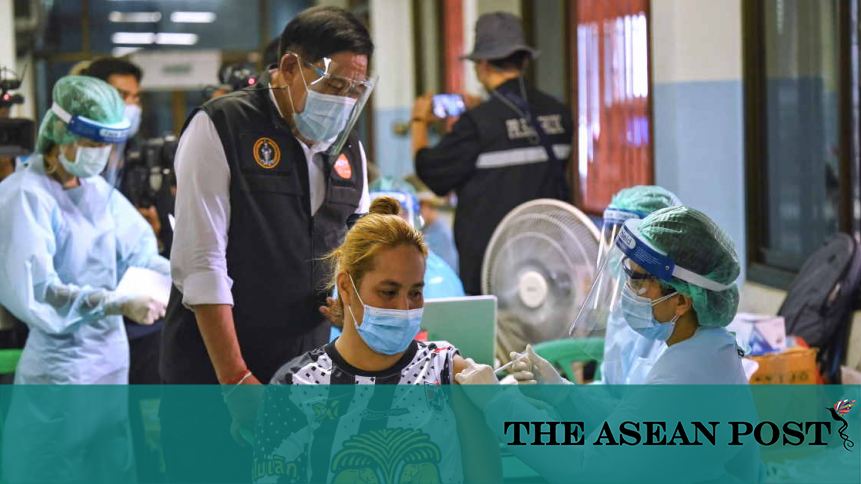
[655, 262]
[93, 130]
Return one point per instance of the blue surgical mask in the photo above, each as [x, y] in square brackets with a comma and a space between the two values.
[637, 311]
[88, 162]
[132, 112]
[387, 331]
[324, 116]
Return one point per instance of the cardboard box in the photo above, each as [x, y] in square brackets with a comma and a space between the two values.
[795, 366]
[758, 333]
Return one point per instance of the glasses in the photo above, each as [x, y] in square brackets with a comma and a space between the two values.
[638, 281]
[328, 83]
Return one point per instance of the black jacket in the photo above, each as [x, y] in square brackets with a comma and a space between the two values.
[275, 246]
[493, 164]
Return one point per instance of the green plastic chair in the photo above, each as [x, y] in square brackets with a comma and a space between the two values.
[9, 361]
[564, 352]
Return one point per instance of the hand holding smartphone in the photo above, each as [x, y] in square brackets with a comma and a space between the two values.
[448, 105]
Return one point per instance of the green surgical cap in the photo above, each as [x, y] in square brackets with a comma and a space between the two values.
[84, 96]
[694, 242]
[644, 199]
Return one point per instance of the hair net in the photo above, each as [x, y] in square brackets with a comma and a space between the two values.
[82, 96]
[644, 198]
[694, 242]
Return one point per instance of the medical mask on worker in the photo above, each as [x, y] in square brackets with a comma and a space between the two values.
[637, 311]
[88, 162]
[387, 331]
[629, 267]
[133, 114]
[333, 101]
[324, 116]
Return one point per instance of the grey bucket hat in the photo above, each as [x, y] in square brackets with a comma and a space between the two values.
[497, 36]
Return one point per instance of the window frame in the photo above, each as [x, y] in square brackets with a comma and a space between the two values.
[571, 14]
[755, 125]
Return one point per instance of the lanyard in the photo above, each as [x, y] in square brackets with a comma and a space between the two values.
[520, 105]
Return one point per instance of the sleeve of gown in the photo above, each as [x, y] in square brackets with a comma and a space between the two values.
[30, 287]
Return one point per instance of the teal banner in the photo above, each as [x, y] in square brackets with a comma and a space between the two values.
[430, 433]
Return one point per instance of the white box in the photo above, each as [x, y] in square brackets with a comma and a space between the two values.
[759, 333]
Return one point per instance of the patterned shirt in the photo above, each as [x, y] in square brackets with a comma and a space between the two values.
[333, 424]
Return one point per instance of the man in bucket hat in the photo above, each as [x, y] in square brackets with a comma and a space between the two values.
[511, 148]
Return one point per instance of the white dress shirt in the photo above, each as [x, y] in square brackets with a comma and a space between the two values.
[198, 256]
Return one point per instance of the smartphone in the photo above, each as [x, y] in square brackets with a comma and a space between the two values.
[448, 105]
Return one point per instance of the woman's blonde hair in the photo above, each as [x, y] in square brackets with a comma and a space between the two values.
[381, 229]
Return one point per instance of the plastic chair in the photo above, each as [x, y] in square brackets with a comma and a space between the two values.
[564, 352]
[9, 361]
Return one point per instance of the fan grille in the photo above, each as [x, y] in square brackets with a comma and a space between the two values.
[554, 240]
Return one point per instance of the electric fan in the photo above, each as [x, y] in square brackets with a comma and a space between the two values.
[539, 264]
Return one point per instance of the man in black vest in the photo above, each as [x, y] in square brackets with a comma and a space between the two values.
[508, 150]
[268, 179]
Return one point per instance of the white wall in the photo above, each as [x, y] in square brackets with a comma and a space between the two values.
[392, 32]
[698, 108]
[394, 62]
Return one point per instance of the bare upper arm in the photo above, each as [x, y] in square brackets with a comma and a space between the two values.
[459, 364]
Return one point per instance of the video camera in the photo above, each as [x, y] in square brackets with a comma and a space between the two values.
[148, 170]
[17, 135]
[233, 77]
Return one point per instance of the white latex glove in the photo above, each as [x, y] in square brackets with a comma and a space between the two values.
[139, 308]
[476, 374]
[529, 368]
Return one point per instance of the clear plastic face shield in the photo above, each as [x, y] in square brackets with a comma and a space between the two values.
[99, 146]
[336, 95]
[614, 218]
[632, 262]
[409, 205]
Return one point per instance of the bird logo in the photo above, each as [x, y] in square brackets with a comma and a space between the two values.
[841, 408]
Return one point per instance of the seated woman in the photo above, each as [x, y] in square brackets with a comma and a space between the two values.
[379, 272]
[312, 433]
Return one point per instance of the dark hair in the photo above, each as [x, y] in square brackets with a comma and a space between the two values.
[105, 67]
[515, 61]
[322, 31]
[270, 53]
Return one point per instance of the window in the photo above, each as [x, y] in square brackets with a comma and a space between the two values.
[799, 131]
[612, 97]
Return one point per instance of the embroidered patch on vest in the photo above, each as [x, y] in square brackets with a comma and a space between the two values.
[266, 152]
[343, 168]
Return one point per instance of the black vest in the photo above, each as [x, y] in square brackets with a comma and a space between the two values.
[274, 247]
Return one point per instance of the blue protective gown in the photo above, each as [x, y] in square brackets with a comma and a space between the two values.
[709, 357]
[628, 356]
[62, 251]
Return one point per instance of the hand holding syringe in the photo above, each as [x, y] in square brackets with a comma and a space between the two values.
[515, 358]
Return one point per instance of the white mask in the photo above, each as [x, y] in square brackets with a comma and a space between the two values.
[133, 114]
[88, 162]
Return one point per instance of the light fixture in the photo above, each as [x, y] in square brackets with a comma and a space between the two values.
[134, 17]
[172, 38]
[135, 38]
[192, 17]
[148, 38]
